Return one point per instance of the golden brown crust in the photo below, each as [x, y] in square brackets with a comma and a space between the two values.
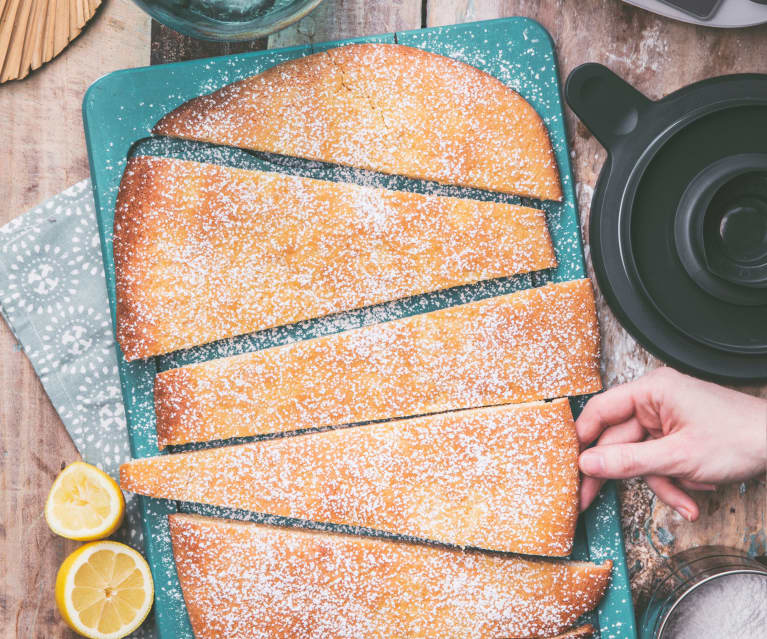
[535, 344]
[384, 107]
[203, 252]
[583, 632]
[502, 478]
[248, 581]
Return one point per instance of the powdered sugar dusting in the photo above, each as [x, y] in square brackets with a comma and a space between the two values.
[516, 51]
[503, 478]
[204, 252]
[244, 580]
[733, 606]
[535, 344]
[384, 107]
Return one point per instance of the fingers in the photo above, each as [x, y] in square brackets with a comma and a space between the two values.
[625, 433]
[620, 403]
[696, 485]
[621, 461]
[630, 431]
[661, 486]
[674, 496]
[614, 406]
[626, 450]
[590, 487]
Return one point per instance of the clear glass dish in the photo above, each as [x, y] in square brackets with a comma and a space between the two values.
[227, 20]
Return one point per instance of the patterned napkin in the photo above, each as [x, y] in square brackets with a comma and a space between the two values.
[53, 297]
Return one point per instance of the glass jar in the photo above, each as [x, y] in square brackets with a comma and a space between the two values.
[682, 574]
[227, 20]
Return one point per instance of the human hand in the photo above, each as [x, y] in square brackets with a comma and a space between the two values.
[677, 432]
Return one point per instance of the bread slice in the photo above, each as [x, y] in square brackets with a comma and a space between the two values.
[501, 478]
[245, 580]
[384, 107]
[203, 252]
[535, 344]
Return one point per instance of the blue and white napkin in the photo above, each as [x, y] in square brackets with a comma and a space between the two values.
[53, 296]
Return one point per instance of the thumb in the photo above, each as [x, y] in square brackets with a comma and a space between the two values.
[620, 461]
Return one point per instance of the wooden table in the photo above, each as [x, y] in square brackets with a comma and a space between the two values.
[43, 152]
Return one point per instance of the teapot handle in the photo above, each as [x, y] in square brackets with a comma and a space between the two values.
[608, 105]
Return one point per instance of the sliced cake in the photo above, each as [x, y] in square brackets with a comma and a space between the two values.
[535, 344]
[251, 581]
[384, 107]
[203, 252]
[500, 478]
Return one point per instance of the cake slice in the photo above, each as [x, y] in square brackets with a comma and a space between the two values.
[251, 581]
[500, 478]
[535, 344]
[203, 252]
[384, 107]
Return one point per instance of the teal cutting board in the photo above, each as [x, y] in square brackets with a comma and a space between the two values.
[119, 112]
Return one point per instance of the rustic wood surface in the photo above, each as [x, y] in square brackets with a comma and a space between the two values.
[44, 152]
[657, 56]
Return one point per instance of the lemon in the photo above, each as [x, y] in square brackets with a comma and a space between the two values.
[84, 503]
[104, 590]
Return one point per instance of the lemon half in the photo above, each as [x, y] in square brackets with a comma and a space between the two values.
[104, 590]
[84, 503]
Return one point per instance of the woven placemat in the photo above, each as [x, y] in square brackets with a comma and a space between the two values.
[33, 32]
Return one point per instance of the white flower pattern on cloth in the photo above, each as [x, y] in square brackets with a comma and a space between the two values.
[53, 296]
[37, 282]
[78, 340]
